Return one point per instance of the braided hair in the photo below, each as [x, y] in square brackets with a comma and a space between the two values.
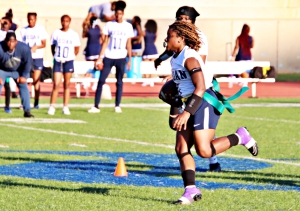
[189, 32]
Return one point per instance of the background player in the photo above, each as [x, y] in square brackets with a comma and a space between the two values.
[116, 46]
[35, 37]
[64, 46]
[16, 62]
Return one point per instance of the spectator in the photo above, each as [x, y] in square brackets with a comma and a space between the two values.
[243, 44]
[64, 46]
[92, 49]
[16, 62]
[138, 36]
[105, 12]
[150, 52]
[13, 26]
[35, 37]
[116, 46]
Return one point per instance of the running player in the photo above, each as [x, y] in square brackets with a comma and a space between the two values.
[35, 37]
[189, 14]
[193, 81]
[64, 46]
[116, 46]
[16, 62]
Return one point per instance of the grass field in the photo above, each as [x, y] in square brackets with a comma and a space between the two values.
[67, 162]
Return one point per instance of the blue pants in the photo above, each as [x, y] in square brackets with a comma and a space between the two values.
[25, 97]
[108, 64]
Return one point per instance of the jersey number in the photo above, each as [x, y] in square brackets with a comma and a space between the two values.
[117, 45]
[65, 52]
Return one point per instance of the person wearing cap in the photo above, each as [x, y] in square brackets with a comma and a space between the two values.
[115, 48]
[16, 62]
[189, 14]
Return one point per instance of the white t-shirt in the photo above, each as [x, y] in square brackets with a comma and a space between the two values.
[181, 75]
[2, 35]
[204, 44]
[101, 10]
[65, 43]
[34, 36]
[118, 35]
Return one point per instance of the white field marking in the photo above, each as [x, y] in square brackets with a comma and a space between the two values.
[156, 109]
[77, 145]
[140, 142]
[41, 120]
[3, 146]
[163, 105]
[265, 119]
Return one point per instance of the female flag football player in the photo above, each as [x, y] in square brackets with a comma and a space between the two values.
[193, 81]
[64, 46]
[189, 14]
[116, 46]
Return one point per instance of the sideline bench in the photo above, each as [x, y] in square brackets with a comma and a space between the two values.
[216, 67]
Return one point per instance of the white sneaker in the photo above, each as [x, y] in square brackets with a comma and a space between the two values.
[152, 84]
[51, 110]
[118, 109]
[145, 83]
[66, 110]
[94, 110]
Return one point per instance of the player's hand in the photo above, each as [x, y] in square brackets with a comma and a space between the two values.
[1, 82]
[129, 65]
[99, 64]
[157, 62]
[167, 78]
[181, 120]
[21, 80]
[33, 49]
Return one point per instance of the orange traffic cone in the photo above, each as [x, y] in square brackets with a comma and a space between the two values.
[121, 168]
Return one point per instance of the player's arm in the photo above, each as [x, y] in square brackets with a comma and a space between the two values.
[99, 62]
[235, 50]
[129, 48]
[27, 63]
[53, 49]
[87, 20]
[4, 57]
[164, 56]
[43, 45]
[195, 100]
[76, 50]
[109, 18]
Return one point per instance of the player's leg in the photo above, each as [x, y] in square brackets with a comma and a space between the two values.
[57, 76]
[38, 68]
[107, 65]
[25, 96]
[120, 67]
[205, 144]
[67, 74]
[7, 96]
[187, 167]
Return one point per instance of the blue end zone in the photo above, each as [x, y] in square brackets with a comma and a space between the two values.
[162, 166]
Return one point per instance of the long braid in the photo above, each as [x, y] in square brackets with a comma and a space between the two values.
[189, 32]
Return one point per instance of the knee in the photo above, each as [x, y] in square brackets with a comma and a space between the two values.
[67, 85]
[204, 151]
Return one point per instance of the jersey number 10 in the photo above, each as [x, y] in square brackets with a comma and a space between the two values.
[65, 52]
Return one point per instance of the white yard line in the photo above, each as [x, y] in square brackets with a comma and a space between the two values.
[264, 119]
[138, 142]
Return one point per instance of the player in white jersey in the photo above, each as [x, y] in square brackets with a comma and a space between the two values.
[189, 14]
[64, 46]
[35, 37]
[194, 84]
[116, 46]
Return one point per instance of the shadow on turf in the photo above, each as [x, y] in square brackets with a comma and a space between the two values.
[257, 177]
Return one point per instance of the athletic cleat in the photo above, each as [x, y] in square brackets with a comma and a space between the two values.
[118, 109]
[51, 110]
[36, 107]
[190, 195]
[94, 110]
[247, 140]
[215, 167]
[28, 114]
[66, 110]
[7, 110]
